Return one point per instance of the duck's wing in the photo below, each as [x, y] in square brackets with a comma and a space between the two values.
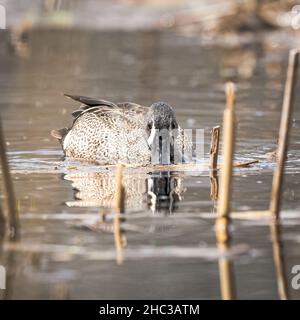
[133, 108]
[103, 106]
[90, 102]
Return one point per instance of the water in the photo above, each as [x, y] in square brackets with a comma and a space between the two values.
[68, 246]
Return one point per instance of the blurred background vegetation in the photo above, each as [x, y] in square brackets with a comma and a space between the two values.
[189, 16]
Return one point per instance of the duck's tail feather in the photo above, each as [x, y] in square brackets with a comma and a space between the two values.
[59, 134]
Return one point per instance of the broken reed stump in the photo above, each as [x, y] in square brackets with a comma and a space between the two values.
[119, 207]
[214, 148]
[214, 186]
[285, 123]
[226, 169]
[213, 163]
[13, 217]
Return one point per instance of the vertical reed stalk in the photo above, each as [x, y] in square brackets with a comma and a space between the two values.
[227, 283]
[2, 236]
[120, 190]
[13, 218]
[228, 150]
[278, 260]
[2, 220]
[222, 232]
[119, 209]
[288, 101]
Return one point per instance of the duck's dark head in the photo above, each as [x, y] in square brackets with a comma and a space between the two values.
[161, 125]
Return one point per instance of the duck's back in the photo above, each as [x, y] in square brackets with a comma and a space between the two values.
[108, 134]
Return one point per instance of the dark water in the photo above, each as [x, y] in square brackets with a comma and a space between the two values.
[70, 247]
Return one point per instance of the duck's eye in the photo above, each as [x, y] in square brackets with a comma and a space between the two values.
[149, 126]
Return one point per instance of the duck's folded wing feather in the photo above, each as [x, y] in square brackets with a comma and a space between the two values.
[90, 105]
[90, 102]
[129, 107]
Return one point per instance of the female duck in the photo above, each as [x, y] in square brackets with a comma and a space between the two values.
[105, 133]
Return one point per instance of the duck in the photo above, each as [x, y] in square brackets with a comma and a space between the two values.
[106, 133]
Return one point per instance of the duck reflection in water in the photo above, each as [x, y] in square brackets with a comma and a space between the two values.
[158, 191]
[164, 192]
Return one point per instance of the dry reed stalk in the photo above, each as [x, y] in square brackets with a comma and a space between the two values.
[118, 237]
[228, 150]
[213, 164]
[245, 164]
[214, 147]
[13, 217]
[2, 237]
[278, 261]
[119, 210]
[192, 165]
[227, 282]
[288, 101]
[170, 167]
[119, 192]
[2, 219]
[214, 186]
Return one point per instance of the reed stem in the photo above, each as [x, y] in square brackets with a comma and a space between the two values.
[119, 210]
[214, 147]
[13, 217]
[222, 222]
[285, 123]
[228, 150]
[213, 163]
[226, 273]
[278, 258]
